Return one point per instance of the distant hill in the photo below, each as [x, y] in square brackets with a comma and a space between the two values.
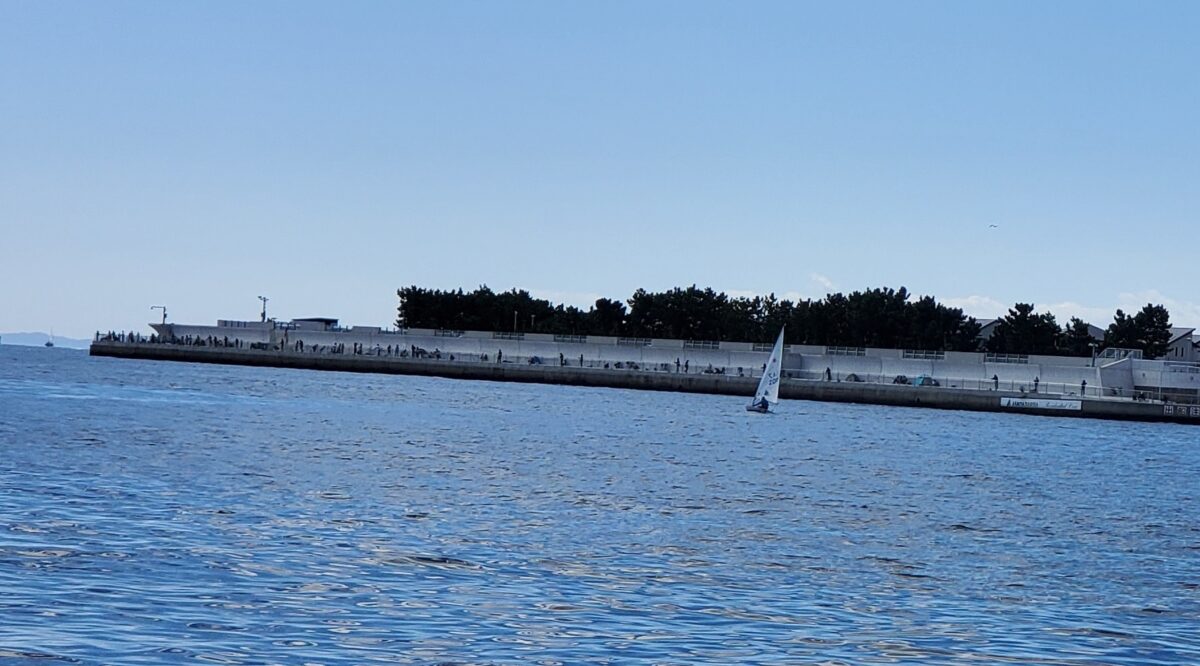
[35, 339]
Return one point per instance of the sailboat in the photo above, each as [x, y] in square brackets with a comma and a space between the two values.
[767, 393]
[50, 341]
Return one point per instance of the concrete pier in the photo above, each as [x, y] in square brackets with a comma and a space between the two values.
[1044, 404]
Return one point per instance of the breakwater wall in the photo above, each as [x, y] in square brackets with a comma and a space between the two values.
[1043, 404]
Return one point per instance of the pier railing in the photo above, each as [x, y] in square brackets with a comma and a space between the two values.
[845, 351]
[1021, 359]
[768, 346]
[701, 344]
[633, 342]
[397, 353]
[923, 355]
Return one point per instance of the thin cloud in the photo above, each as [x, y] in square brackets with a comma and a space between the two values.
[1096, 316]
[1183, 313]
[825, 282]
[980, 307]
[580, 299]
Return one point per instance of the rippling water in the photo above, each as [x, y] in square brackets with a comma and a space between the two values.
[159, 512]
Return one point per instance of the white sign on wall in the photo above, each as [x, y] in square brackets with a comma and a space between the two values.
[1041, 403]
[1181, 410]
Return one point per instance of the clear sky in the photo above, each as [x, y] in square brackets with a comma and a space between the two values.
[197, 155]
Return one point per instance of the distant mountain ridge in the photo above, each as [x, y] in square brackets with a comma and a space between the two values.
[37, 339]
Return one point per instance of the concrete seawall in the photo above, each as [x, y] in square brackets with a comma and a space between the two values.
[879, 394]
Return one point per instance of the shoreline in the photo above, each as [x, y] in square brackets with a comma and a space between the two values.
[1001, 401]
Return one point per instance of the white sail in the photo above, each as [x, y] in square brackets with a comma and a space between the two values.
[768, 386]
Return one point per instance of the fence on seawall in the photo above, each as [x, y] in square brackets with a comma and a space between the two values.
[925, 391]
[839, 365]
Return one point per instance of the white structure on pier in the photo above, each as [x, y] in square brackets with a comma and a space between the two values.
[1176, 377]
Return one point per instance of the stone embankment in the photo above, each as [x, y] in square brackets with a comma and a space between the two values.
[792, 389]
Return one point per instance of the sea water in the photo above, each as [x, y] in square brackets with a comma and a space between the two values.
[178, 513]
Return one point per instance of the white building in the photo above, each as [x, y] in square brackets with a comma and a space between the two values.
[1182, 345]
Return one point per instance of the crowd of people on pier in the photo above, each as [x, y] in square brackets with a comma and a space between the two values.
[680, 365]
[122, 336]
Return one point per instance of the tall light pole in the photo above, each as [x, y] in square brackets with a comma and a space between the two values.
[164, 311]
[264, 300]
[514, 321]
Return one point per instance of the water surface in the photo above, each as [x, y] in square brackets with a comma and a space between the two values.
[179, 513]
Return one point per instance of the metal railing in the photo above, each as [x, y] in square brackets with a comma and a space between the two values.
[1175, 399]
[768, 346]
[576, 339]
[845, 351]
[497, 335]
[923, 355]
[633, 342]
[1117, 353]
[1019, 359]
[701, 344]
[1025, 387]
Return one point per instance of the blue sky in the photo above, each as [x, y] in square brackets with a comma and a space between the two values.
[323, 154]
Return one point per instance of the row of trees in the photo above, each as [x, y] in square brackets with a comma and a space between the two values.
[1022, 331]
[872, 318]
[886, 318]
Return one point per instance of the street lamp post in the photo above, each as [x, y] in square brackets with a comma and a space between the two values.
[264, 300]
[1093, 346]
[514, 321]
[164, 311]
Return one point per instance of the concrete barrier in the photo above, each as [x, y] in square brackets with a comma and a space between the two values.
[833, 391]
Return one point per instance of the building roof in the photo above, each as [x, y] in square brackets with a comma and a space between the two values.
[986, 326]
[1178, 332]
[320, 320]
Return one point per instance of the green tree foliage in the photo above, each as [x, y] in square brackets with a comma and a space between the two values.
[1022, 331]
[1154, 327]
[483, 310]
[689, 314]
[885, 317]
[1077, 339]
[606, 317]
[1122, 333]
[1148, 330]
[872, 318]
